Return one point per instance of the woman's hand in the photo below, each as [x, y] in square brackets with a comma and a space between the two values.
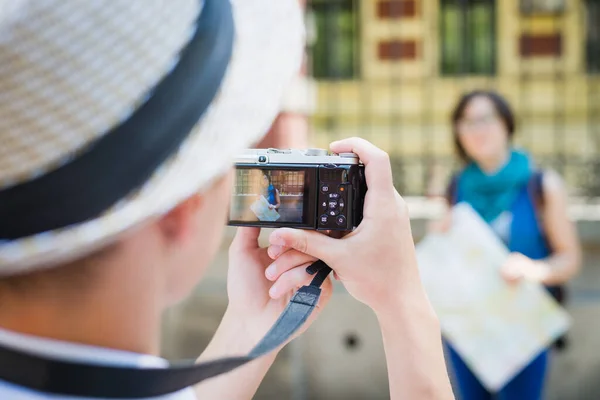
[441, 225]
[518, 267]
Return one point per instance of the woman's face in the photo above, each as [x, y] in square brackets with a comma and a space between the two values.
[481, 132]
[265, 181]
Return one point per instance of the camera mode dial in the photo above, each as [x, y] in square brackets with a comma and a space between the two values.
[316, 152]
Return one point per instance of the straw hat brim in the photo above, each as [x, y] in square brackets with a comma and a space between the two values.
[267, 55]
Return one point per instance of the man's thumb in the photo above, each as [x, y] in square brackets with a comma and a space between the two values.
[308, 242]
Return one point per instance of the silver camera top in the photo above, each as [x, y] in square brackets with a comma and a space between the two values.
[295, 156]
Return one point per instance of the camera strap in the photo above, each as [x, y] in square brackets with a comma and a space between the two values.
[109, 382]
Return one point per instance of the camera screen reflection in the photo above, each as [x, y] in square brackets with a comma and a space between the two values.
[268, 196]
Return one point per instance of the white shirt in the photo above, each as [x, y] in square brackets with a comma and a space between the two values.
[76, 352]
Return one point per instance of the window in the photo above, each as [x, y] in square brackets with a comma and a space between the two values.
[334, 49]
[288, 183]
[468, 37]
[542, 7]
[593, 36]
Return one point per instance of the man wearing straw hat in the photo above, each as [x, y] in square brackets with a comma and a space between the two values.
[118, 123]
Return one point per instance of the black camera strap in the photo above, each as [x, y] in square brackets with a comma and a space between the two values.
[109, 382]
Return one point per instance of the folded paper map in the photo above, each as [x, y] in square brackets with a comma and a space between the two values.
[261, 209]
[496, 328]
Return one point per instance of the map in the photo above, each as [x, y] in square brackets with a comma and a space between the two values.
[496, 328]
[261, 209]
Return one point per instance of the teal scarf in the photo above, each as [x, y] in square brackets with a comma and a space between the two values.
[491, 195]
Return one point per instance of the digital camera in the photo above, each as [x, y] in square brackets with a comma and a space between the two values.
[309, 189]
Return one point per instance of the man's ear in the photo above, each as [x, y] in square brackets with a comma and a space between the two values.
[179, 223]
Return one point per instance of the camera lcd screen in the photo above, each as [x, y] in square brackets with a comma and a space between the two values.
[268, 196]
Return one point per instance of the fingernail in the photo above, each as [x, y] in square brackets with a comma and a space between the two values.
[275, 250]
[270, 271]
[273, 292]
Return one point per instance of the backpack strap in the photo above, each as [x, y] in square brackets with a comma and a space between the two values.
[535, 188]
[452, 190]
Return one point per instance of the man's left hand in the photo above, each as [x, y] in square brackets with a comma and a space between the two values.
[253, 306]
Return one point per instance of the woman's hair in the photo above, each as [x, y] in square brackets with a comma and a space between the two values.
[268, 176]
[503, 110]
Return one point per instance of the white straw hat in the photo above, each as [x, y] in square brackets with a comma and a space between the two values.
[113, 112]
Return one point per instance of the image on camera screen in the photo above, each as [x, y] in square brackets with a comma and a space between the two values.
[267, 196]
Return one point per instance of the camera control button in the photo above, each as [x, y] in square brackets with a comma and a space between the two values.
[341, 220]
[341, 204]
[333, 204]
[333, 213]
[323, 219]
[348, 155]
[325, 188]
[324, 205]
[334, 195]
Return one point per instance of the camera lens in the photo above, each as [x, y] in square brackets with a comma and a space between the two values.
[262, 159]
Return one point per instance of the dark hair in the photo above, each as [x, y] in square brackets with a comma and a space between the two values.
[268, 176]
[502, 109]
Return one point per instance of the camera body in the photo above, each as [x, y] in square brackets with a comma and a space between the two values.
[308, 189]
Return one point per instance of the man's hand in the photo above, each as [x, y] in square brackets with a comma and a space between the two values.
[250, 314]
[248, 288]
[252, 307]
[377, 264]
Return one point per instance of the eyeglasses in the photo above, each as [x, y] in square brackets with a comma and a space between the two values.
[483, 121]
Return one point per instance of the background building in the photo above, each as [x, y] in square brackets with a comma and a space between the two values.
[391, 70]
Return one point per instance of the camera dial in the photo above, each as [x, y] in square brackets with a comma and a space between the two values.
[316, 152]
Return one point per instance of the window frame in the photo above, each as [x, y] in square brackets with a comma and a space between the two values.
[329, 9]
[467, 66]
[592, 44]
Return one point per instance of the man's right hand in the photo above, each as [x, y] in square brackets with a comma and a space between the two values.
[376, 262]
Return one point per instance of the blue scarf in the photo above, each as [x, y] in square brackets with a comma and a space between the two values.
[491, 195]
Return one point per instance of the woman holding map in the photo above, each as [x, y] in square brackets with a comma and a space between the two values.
[526, 207]
[270, 192]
